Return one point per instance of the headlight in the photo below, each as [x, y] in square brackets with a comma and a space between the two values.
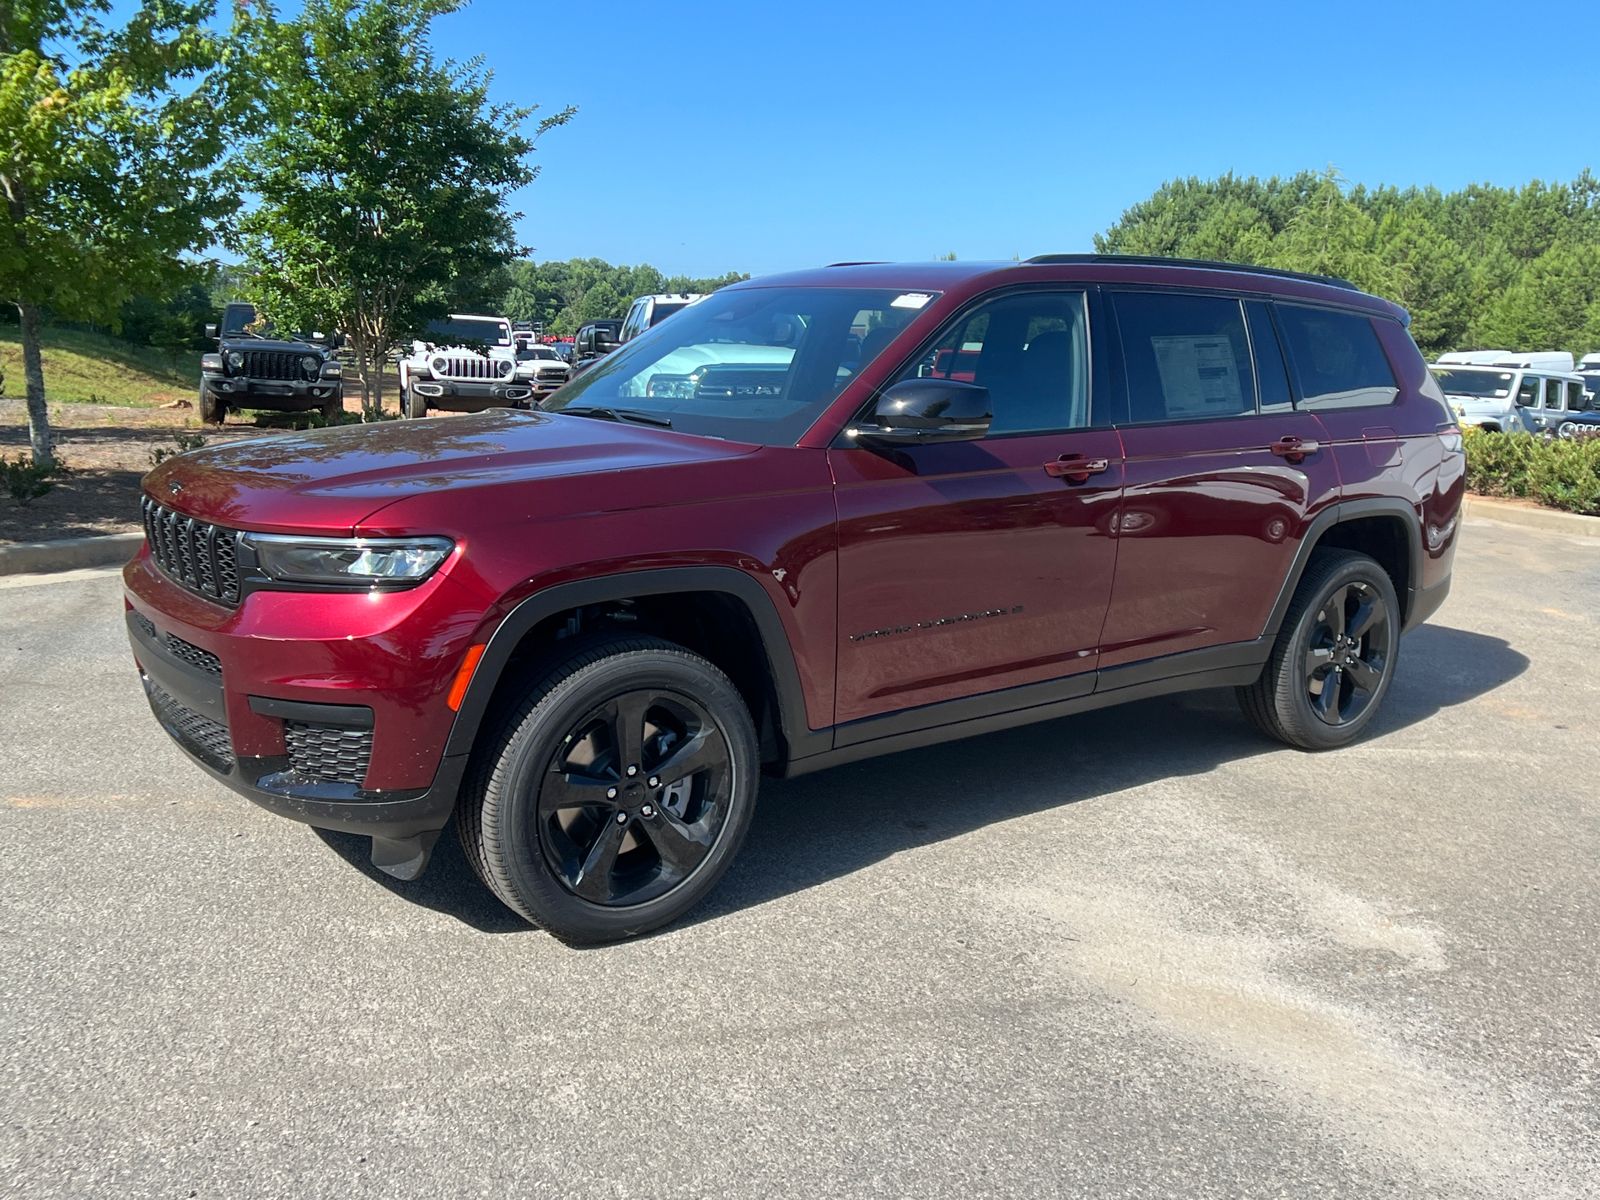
[311, 363]
[235, 360]
[358, 561]
[439, 365]
[505, 366]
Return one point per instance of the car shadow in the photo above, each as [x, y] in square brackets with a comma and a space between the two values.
[816, 828]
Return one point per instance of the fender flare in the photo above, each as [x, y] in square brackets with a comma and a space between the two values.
[1338, 514]
[801, 741]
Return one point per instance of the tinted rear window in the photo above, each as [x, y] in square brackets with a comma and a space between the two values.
[1337, 357]
[1187, 357]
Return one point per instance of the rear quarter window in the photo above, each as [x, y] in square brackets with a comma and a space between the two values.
[1338, 360]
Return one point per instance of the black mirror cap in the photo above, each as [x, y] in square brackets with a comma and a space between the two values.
[920, 411]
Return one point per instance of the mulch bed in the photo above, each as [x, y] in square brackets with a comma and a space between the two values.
[106, 450]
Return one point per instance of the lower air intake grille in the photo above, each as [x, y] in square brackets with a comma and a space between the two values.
[329, 752]
[201, 736]
[190, 653]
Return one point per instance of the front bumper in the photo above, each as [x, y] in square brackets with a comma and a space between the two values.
[459, 395]
[322, 726]
[278, 395]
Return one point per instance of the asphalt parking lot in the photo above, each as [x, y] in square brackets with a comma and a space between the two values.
[1136, 953]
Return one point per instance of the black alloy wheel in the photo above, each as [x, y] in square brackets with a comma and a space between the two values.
[1348, 653]
[609, 796]
[1335, 654]
[635, 797]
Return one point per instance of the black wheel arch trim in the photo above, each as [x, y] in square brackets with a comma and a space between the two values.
[799, 739]
[1352, 510]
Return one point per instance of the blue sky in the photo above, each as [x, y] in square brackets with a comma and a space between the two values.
[761, 137]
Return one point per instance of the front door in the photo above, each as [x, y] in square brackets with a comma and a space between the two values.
[977, 566]
[1223, 475]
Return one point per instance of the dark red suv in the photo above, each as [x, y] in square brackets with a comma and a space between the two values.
[810, 519]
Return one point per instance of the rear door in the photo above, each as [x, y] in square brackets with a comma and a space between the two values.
[1224, 473]
[978, 566]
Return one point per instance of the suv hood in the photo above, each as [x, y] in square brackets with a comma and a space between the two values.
[255, 343]
[328, 480]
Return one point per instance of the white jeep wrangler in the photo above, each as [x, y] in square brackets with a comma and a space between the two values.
[464, 364]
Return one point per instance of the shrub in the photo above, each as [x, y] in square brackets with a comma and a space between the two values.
[25, 481]
[1559, 472]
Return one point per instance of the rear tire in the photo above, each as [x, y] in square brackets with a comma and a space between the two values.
[558, 827]
[1334, 658]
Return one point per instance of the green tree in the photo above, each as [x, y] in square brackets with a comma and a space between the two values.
[382, 174]
[105, 164]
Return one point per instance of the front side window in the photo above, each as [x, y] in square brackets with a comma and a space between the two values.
[1338, 358]
[1528, 393]
[1186, 357]
[752, 364]
[1031, 350]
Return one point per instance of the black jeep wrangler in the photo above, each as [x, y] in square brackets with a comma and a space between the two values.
[254, 368]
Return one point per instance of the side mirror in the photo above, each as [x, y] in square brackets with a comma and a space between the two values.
[1526, 401]
[211, 331]
[916, 412]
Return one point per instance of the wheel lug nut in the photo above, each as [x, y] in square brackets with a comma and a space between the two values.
[648, 810]
[611, 793]
[622, 818]
[633, 770]
[655, 781]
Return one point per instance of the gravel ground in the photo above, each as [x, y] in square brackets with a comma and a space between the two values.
[1136, 953]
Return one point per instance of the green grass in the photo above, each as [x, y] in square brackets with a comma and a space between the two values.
[93, 368]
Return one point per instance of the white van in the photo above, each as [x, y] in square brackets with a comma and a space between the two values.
[1504, 392]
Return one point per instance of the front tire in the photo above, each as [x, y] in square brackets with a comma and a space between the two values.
[614, 793]
[212, 409]
[1334, 658]
[412, 405]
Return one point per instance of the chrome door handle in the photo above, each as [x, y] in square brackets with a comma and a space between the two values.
[1075, 468]
[1293, 449]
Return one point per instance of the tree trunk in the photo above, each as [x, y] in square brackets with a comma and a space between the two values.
[379, 362]
[33, 373]
[363, 362]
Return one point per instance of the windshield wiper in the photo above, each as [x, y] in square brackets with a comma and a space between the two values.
[618, 414]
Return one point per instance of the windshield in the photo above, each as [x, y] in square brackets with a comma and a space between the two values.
[457, 332]
[752, 364]
[1484, 385]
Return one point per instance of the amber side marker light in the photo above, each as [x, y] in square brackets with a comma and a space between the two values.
[458, 689]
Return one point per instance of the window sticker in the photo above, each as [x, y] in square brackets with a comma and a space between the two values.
[1198, 374]
[911, 300]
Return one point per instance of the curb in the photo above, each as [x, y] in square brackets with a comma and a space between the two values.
[69, 554]
[1550, 519]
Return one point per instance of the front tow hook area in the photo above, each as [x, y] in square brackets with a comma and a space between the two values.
[404, 858]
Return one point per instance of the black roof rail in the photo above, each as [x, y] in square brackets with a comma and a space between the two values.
[1151, 260]
[870, 262]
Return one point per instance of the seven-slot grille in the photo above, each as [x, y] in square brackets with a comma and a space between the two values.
[328, 751]
[272, 364]
[193, 553]
[474, 368]
[200, 735]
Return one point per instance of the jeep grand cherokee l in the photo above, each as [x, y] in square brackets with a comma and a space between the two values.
[810, 519]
